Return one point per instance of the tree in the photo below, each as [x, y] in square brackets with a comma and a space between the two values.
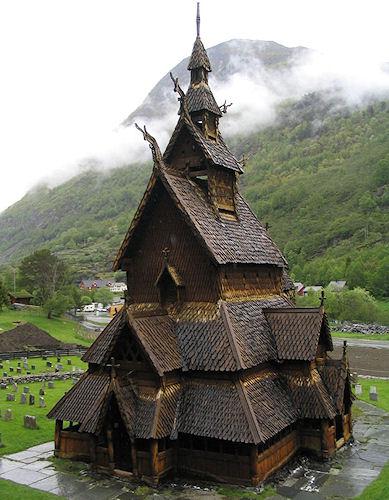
[43, 273]
[74, 294]
[104, 296]
[57, 304]
[86, 300]
[4, 300]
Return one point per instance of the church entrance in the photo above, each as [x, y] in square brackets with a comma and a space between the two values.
[120, 439]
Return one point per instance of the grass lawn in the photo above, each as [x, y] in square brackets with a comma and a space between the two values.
[343, 335]
[14, 436]
[40, 365]
[379, 488]
[12, 491]
[382, 390]
[62, 329]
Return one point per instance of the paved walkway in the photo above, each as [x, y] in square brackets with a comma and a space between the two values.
[346, 476]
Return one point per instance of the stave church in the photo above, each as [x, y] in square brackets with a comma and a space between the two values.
[209, 370]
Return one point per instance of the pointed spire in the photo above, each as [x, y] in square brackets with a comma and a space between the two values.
[198, 19]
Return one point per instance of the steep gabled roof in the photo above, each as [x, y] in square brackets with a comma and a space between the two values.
[199, 97]
[84, 401]
[216, 152]
[297, 332]
[335, 376]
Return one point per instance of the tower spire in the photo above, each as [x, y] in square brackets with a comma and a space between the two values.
[198, 19]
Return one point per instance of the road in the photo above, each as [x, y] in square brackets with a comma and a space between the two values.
[371, 344]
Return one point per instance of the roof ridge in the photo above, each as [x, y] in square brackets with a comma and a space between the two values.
[249, 412]
[231, 336]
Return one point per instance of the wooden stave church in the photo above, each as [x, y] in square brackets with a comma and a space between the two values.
[209, 370]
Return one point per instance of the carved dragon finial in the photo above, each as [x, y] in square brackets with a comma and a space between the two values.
[153, 144]
[223, 108]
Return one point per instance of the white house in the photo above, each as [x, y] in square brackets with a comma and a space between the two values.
[118, 287]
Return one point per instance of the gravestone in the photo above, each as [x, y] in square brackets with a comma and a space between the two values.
[14, 387]
[18, 370]
[10, 397]
[49, 364]
[26, 390]
[373, 393]
[5, 374]
[19, 364]
[25, 366]
[8, 415]
[58, 359]
[44, 358]
[1, 366]
[11, 368]
[3, 385]
[32, 367]
[28, 372]
[59, 367]
[50, 384]
[31, 400]
[42, 403]
[23, 398]
[358, 389]
[74, 368]
[30, 422]
[69, 362]
[41, 392]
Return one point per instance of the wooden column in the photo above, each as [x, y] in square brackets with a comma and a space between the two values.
[254, 467]
[110, 448]
[92, 450]
[57, 435]
[154, 460]
[134, 457]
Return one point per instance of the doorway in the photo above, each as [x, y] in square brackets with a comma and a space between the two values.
[120, 439]
[339, 427]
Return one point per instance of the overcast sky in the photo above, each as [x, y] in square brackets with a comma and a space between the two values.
[72, 70]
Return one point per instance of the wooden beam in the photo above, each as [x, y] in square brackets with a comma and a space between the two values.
[154, 460]
[57, 434]
[110, 449]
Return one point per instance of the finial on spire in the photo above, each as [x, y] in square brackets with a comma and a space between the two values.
[198, 19]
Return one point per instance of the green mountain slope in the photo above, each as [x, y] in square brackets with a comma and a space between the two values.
[318, 178]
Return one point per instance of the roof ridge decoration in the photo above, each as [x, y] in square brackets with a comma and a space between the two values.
[231, 336]
[249, 412]
[153, 144]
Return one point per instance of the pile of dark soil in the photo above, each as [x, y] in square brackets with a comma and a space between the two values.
[29, 337]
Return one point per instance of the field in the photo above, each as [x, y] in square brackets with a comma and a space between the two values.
[62, 329]
[14, 436]
[12, 491]
[344, 335]
[378, 489]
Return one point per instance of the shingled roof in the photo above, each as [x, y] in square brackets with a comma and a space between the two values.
[199, 57]
[84, 402]
[199, 97]
[216, 152]
[297, 331]
[335, 376]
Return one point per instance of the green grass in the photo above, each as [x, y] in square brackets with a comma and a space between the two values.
[40, 365]
[62, 329]
[12, 491]
[378, 489]
[14, 436]
[382, 390]
[343, 335]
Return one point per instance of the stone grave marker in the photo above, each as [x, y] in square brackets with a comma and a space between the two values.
[74, 368]
[33, 367]
[23, 398]
[59, 367]
[26, 390]
[41, 392]
[10, 397]
[14, 387]
[69, 361]
[358, 389]
[30, 422]
[42, 403]
[11, 368]
[5, 374]
[49, 364]
[1, 366]
[18, 370]
[44, 358]
[31, 400]
[19, 364]
[25, 366]
[28, 372]
[3, 386]
[373, 396]
[8, 415]
[50, 384]
[58, 359]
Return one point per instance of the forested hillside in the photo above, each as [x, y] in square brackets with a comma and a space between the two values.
[318, 177]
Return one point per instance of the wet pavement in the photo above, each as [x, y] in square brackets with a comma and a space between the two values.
[352, 469]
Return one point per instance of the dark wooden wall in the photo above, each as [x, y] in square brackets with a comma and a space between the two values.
[163, 227]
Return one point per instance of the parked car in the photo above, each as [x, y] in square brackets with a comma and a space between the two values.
[89, 308]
